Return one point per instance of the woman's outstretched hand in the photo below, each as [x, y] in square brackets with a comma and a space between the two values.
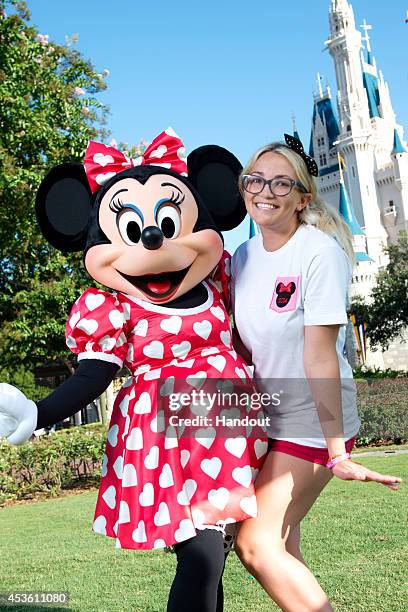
[351, 470]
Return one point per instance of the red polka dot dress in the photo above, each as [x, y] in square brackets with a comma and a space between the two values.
[158, 488]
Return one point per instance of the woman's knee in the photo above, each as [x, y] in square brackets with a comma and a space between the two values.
[253, 548]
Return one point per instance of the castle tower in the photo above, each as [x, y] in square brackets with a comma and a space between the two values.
[354, 142]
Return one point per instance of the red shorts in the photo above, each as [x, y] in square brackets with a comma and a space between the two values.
[308, 453]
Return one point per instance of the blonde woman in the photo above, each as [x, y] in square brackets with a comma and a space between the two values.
[289, 286]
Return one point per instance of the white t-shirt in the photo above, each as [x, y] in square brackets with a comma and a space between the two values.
[275, 294]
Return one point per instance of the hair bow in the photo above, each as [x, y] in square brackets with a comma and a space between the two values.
[102, 162]
[295, 144]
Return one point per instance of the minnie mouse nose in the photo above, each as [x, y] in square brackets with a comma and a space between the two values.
[152, 237]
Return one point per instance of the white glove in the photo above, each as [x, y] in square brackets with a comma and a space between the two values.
[18, 415]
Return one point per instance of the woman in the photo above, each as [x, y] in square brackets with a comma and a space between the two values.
[294, 327]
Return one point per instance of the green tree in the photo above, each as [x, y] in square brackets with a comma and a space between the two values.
[386, 314]
[48, 111]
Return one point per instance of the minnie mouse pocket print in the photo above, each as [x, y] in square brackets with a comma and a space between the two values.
[285, 294]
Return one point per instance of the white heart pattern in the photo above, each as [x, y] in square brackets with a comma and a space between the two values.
[118, 467]
[166, 477]
[167, 387]
[74, 319]
[113, 435]
[185, 531]
[94, 300]
[170, 440]
[181, 350]
[116, 318]
[218, 312]
[159, 543]
[219, 497]
[89, 326]
[134, 440]
[171, 325]
[260, 448]
[140, 329]
[124, 513]
[211, 467]
[205, 436]
[139, 534]
[157, 424]
[107, 343]
[146, 497]
[129, 478]
[243, 475]
[154, 350]
[162, 516]
[236, 446]
[197, 380]
[103, 178]
[102, 160]
[152, 374]
[104, 469]
[225, 337]
[184, 457]
[187, 492]
[218, 362]
[143, 404]
[152, 458]
[159, 152]
[209, 351]
[99, 525]
[109, 497]
[248, 505]
[203, 328]
[70, 342]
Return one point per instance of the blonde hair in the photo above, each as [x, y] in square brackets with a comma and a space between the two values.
[317, 212]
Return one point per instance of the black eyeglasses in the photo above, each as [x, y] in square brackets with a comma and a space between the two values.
[279, 186]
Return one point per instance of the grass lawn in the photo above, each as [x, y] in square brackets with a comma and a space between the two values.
[355, 540]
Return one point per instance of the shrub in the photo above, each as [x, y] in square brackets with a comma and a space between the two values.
[383, 411]
[51, 463]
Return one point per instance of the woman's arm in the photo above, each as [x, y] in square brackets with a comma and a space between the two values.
[321, 365]
[322, 370]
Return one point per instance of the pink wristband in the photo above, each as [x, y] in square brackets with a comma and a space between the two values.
[337, 460]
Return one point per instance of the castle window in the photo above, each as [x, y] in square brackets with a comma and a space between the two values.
[320, 142]
[353, 171]
[323, 159]
[390, 209]
[349, 128]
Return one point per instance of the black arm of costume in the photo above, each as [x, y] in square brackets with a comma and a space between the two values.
[91, 379]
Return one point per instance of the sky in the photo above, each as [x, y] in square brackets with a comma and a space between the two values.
[218, 71]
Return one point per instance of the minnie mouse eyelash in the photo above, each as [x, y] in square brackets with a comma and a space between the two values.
[116, 206]
[176, 198]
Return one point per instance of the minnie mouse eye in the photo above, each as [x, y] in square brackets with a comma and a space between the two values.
[168, 220]
[130, 226]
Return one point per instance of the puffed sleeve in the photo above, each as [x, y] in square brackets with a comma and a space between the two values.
[96, 327]
[222, 276]
[326, 287]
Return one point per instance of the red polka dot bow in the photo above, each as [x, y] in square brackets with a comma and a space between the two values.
[102, 162]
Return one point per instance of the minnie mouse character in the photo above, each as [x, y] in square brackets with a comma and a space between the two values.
[284, 293]
[150, 230]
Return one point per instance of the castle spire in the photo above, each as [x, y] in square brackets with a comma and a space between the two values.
[398, 147]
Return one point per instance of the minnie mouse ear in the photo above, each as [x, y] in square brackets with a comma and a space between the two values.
[63, 207]
[214, 172]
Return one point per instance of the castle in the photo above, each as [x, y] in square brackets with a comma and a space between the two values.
[362, 158]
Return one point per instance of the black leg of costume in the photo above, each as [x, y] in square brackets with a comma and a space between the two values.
[197, 585]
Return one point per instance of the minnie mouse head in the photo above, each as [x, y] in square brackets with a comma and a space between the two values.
[284, 293]
[150, 227]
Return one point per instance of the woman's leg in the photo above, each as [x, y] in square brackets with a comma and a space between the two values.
[268, 546]
[197, 584]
